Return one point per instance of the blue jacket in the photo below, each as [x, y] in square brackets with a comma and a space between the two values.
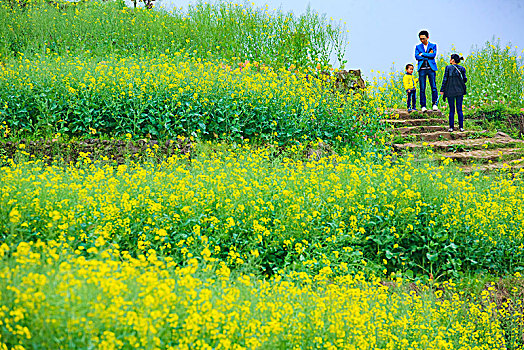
[430, 57]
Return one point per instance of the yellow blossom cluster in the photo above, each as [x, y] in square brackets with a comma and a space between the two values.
[246, 207]
[51, 297]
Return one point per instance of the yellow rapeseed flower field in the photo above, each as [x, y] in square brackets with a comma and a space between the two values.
[54, 298]
[168, 96]
[284, 221]
[250, 210]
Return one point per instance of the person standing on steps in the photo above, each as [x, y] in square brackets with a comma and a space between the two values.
[425, 54]
[454, 88]
[409, 82]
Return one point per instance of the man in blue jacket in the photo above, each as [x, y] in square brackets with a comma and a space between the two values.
[425, 53]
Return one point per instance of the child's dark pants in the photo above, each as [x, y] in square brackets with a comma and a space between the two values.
[412, 98]
[451, 102]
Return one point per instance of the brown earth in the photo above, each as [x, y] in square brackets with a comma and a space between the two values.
[113, 150]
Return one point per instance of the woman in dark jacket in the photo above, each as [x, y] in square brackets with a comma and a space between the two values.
[454, 88]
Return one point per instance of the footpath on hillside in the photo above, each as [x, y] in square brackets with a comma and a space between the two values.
[473, 150]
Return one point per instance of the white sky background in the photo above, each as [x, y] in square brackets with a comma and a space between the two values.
[385, 31]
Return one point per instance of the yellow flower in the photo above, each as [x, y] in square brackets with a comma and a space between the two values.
[14, 216]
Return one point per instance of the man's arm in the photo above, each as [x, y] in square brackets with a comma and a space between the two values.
[417, 54]
[430, 55]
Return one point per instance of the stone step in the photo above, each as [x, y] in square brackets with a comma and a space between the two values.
[414, 122]
[462, 144]
[420, 129]
[484, 156]
[399, 113]
[510, 166]
[445, 135]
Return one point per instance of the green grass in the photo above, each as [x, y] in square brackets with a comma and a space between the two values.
[213, 31]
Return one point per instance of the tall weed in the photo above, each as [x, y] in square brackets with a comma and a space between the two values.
[214, 31]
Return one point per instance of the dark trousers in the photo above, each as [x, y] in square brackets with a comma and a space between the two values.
[422, 74]
[412, 99]
[452, 101]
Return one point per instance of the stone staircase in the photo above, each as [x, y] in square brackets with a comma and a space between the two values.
[471, 150]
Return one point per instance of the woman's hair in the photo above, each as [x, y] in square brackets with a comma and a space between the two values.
[457, 58]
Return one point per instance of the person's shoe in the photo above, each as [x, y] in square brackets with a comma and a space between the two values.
[435, 107]
[461, 129]
[409, 110]
[414, 110]
[424, 109]
[450, 130]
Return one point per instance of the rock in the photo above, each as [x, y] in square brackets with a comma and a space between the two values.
[322, 149]
[349, 80]
[503, 135]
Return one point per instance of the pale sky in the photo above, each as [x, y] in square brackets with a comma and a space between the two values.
[385, 31]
